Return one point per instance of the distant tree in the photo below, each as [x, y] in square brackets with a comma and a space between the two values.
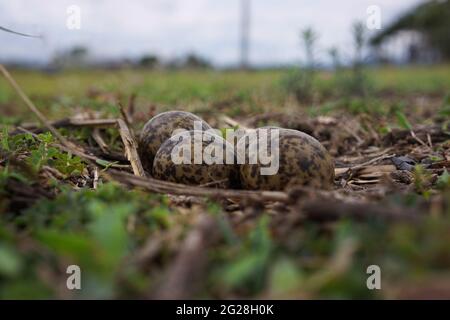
[359, 82]
[299, 82]
[431, 19]
[78, 52]
[149, 61]
[309, 38]
[359, 40]
[75, 57]
[335, 57]
[193, 61]
[173, 64]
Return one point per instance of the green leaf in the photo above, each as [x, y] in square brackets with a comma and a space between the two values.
[443, 181]
[105, 163]
[243, 270]
[72, 245]
[108, 229]
[160, 215]
[284, 276]
[402, 120]
[10, 262]
[67, 164]
[250, 266]
[46, 137]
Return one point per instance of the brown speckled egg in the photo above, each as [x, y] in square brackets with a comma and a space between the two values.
[213, 172]
[302, 161]
[160, 128]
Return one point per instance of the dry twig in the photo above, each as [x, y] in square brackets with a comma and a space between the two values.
[181, 189]
[34, 109]
[99, 140]
[131, 148]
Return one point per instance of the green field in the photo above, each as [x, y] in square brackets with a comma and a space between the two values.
[199, 89]
[135, 243]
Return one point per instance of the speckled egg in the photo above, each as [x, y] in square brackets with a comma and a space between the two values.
[160, 128]
[210, 162]
[302, 160]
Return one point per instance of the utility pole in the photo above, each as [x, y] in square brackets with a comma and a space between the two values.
[245, 30]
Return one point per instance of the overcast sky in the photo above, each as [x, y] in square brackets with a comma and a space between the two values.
[171, 28]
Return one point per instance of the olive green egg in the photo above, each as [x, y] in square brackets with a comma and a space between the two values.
[160, 128]
[277, 160]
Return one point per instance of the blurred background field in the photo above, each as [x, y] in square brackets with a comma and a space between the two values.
[258, 90]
